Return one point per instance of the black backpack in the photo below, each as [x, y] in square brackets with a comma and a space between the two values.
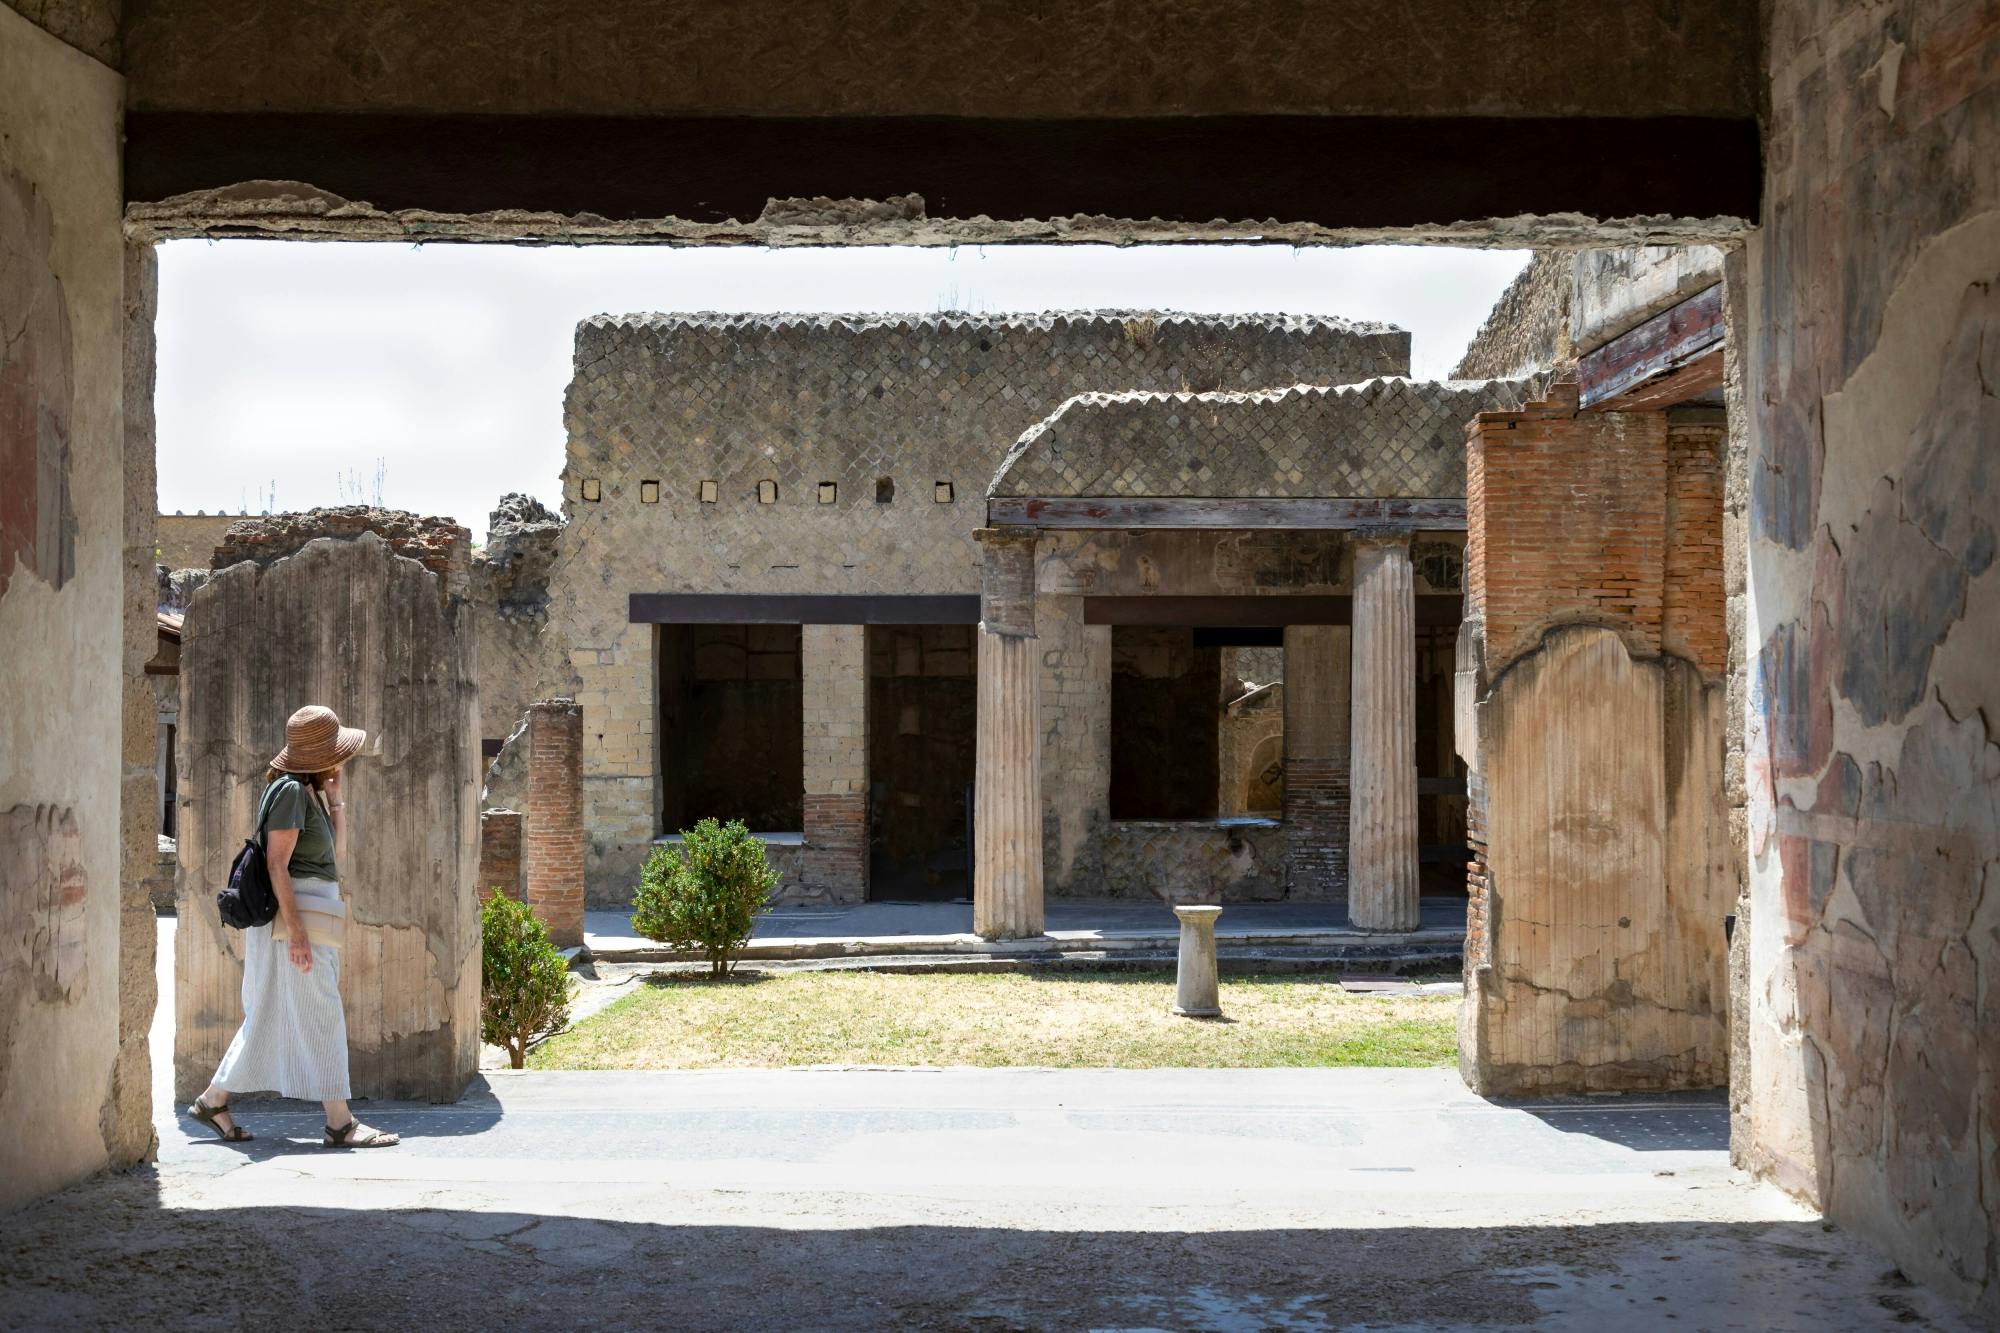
[249, 900]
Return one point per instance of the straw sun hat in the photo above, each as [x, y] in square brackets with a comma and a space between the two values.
[315, 741]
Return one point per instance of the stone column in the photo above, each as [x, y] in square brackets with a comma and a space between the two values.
[1007, 786]
[1382, 816]
[834, 662]
[1197, 989]
[552, 864]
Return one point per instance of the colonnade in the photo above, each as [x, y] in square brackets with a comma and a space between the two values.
[1007, 891]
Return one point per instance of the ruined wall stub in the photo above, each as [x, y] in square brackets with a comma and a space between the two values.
[797, 400]
[1872, 984]
[67, 1084]
[1596, 956]
[351, 624]
[510, 599]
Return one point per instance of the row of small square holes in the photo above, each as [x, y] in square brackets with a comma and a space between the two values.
[767, 492]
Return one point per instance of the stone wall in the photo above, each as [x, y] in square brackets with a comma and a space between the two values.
[699, 446]
[188, 541]
[72, 1083]
[1872, 986]
[510, 598]
[552, 834]
[349, 623]
[1528, 332]
[1604, 866]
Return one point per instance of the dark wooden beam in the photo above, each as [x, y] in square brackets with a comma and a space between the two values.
[1190, 512]
[1673, 357]
[1277, 610]
[1334, 171]
[666, 608]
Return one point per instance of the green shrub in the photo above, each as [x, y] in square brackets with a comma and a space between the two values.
[706, 894]
[524, 984]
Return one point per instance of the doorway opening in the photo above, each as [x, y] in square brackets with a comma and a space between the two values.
[922, 702]
[731, 713]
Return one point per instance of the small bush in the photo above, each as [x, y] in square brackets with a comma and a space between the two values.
[524, 984]
[707, 894]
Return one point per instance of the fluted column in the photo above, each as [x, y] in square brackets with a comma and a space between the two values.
[1007, 786]
[1382, 819]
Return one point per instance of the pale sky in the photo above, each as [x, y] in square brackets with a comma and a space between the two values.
[294, 374]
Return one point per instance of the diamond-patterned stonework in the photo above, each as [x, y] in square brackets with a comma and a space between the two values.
[1382, 437]
[801, 400]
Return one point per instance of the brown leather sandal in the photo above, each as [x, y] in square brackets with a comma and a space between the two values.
[345, 1137]
[205, 1113]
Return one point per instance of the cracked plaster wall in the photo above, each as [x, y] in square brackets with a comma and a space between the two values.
[351, 624]
[61, 637]
[1873, 969]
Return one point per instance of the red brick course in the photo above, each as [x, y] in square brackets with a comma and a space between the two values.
[1316, 797]
[835, 858]
[553, 844]
[1694, 604]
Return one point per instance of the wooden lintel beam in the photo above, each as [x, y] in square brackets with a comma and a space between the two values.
[1674, 356]
[1278, 609]
[649, 608]
[1437, 513]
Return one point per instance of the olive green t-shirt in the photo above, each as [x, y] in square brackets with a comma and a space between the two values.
[290, 803]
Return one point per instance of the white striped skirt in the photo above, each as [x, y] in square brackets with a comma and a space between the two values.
[294, 1035]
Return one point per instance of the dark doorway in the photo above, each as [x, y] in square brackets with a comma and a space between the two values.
[1166, 699]
[731, 721]
[922, 710]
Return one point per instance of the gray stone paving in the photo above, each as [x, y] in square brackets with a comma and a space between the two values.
[1296, 1199]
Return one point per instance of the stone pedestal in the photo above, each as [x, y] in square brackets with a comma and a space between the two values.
[1007, 785]
[1197, 989]
[1382, 812]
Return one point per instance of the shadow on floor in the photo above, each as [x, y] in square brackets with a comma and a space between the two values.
[1672, 1121]
[106, 1255]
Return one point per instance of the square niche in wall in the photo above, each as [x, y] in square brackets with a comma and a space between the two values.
[649, 492]
[710, 492]
[942, 493]
[767, 492]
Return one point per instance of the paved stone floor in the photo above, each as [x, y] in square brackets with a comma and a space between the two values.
[957, 1199]
[1065, 917]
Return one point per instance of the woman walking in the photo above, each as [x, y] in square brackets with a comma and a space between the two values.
[294, 1035]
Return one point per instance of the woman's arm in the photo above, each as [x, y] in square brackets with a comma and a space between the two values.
[278, 845]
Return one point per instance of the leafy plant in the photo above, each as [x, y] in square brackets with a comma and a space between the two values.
[707, 894]
[524, 984]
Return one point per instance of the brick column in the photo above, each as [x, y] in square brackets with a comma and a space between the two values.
[1007, 789]
[1382, 815]
[1316, 761]
[553, 860]
[834, 663]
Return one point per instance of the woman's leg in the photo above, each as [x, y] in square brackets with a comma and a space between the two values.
[215, 1097]
[338, 1118]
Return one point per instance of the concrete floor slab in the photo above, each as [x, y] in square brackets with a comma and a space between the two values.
[986, 1199]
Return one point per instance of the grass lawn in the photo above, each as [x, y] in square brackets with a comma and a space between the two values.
[1090, 1019]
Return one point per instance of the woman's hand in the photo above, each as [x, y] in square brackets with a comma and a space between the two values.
[299, 947]
[332, 786]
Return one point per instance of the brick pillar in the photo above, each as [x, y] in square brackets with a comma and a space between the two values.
[1316, 759]
[1007, 786]
[499, 853]
[834, 663]
[1382, 815]
[553, 856]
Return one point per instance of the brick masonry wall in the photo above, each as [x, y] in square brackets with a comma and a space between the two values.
[1579, 525]
[676, 401]
[438, 544]
[1316, 804]
[1694, 622]
[553, 842]
[499, 853]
